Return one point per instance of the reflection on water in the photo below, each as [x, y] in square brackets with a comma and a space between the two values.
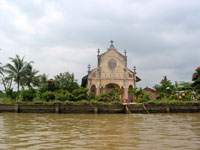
[105, 131]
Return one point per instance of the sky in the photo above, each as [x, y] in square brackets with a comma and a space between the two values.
[161, 36]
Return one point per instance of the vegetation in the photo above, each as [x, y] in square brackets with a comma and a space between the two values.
[27, 95]
[66, 81]
[63, 88]
[165, 86]
[17, 70]
[196, 79]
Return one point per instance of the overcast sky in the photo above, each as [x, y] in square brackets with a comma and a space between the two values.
[162, 37]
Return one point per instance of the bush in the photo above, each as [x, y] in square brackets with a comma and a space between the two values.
[103, 97]
[64, 96]
[2, 95]
[10, 94]
[80, 94]
[187, 97]
[14, 95]
[141, 100]
[172, 97]
[91, 96]
[114, 94]
[198, 98]
[43, 88]
[48, 95]
[61, 97]
[27, 95]
[162, 95]
[146, 96]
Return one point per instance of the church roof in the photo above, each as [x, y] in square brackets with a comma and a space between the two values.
[84, 81]
[137, 78]
[112, 47]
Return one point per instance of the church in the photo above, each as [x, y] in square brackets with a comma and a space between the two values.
[111, 73]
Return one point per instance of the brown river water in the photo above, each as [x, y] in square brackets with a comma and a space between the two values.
[99, 132]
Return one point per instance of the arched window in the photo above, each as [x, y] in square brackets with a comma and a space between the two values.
[93, 90]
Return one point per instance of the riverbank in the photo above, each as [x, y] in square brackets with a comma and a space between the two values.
[100, 109]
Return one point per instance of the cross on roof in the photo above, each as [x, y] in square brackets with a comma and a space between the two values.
[125, 52]
[134, 69]
[89, 67]
[98, 51]
[111, 42]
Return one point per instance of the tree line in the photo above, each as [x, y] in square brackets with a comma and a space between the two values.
[31, 84]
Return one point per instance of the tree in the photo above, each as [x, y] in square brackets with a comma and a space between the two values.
[196, 79]
[6, 81]
[43, 79]
[30, 79]
[136, 92]
[184, 86]
[1, 69]
[66, 81]
[17, 69]
[164, 86]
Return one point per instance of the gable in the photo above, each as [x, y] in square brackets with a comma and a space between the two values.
[111, 61]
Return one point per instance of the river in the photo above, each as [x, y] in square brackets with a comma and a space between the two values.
[99, 132]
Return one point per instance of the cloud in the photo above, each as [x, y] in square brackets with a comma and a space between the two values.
[161, 36]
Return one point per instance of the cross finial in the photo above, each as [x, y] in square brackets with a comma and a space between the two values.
[125, 52]
[111, 44]
[134, 69]
[98, 51]
[89, 68]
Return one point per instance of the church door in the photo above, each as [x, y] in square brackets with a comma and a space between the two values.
[130, 94]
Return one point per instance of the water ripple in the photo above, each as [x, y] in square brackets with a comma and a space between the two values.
[106, 131]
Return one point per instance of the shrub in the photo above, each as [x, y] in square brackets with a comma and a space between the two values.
[43, 88]
[14, 95]
[48, 95]
[141, 100]
[2, 95]
[80, 94]
[187, 97]
[162, 95]
[198, 98]
[172, 97]
[61, 97]
[10, 94]
[27, 95]
[146, 96]
[103, 97]
[64, 96]
[91, 96]
[114, 94]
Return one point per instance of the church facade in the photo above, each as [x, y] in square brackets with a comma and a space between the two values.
[111, 73]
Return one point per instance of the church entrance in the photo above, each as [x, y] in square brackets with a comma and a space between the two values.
[111, 86]
[93, 90]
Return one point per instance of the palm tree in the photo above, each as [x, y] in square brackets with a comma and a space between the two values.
[1, 69]
[31, 78]
[17, 70]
